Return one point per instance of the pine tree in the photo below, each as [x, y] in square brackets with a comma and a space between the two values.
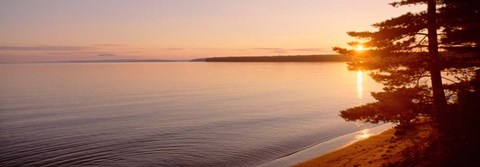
[404, 52]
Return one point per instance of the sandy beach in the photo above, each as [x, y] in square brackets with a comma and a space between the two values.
[379, 150]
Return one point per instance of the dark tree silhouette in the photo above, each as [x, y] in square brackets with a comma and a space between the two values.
[404, 52]
[408, 55]
[440, 103]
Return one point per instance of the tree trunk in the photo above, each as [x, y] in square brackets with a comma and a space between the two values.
[440, 102]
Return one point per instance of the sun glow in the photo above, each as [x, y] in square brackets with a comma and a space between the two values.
[360, 48]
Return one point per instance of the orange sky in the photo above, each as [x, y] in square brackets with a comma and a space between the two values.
[57, 30]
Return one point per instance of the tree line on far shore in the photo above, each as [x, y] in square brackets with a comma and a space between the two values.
[290, 58]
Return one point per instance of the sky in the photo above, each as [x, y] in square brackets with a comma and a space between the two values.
[62, 30]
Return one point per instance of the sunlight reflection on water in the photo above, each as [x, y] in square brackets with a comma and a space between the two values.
[359, 84]
[363, 134]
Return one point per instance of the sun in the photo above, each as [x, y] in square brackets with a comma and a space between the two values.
[360, 48]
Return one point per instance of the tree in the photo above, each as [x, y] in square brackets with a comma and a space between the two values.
[405, 50]
[440, 103]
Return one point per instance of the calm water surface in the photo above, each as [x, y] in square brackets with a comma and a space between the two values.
[172, 114]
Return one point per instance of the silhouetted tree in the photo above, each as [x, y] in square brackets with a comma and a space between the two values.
[404, 51]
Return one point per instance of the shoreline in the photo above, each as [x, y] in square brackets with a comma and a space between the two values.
[327, 147]
[379, 150]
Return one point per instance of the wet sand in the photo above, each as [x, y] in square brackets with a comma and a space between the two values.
[379, 150]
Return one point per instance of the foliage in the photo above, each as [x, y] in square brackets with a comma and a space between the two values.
[458, 144]
[461, 24]
[400, 106]
[397, 56]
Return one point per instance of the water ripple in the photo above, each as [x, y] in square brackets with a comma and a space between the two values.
[170, 114]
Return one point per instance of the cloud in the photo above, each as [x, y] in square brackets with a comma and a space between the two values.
[310, 49]
[110, 45]
[43, 48]
[270, 49]
[273, 50]
[72, 53]
[176, 49]
[279, 51]
[286, 50]
[107, 55]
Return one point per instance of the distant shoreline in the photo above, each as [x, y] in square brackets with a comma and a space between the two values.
[101, 61]
[297, 58]
[288, 58]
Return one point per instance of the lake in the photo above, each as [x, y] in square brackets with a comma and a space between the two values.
[173, 114]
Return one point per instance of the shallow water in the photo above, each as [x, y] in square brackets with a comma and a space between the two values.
[172, 114]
